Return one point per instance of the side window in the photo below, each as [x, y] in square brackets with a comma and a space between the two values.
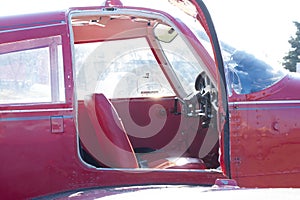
[119, 69]
[32, 71]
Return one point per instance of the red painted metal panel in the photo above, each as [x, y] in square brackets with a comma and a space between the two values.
[11, 23]
[265, 136]
[41, 163]
[265, 139]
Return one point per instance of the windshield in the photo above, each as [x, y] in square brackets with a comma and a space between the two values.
[246, 74]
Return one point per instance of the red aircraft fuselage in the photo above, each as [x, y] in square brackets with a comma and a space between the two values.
[117, 95]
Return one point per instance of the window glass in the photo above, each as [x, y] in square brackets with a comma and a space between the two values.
[246, 74]
[32, 71]
[183, 61]
[119, 69]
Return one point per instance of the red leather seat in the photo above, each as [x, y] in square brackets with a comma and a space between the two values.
[110, 145]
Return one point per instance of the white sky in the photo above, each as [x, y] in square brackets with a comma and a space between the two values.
[262, 27]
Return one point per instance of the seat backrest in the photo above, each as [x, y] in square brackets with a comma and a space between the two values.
[109, 143]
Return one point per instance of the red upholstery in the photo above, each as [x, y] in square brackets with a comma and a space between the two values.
[110, 146]
[109, 143]
[162, 161]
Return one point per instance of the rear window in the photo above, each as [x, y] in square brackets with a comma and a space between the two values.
[32, 71]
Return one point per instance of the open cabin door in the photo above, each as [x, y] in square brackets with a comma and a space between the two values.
[204, 18]
[139, 96]
[123, 76]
